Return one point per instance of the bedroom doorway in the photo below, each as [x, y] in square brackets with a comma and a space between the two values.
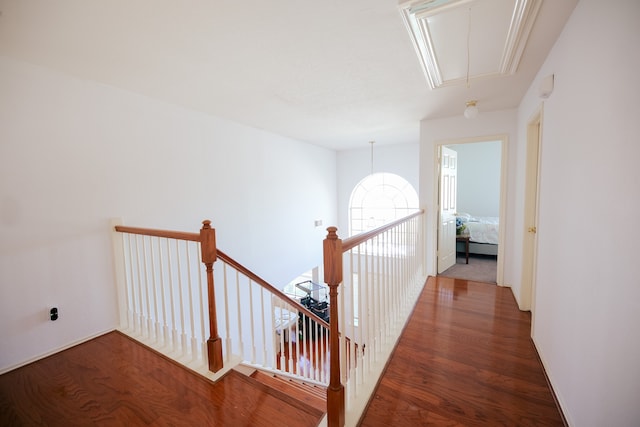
[480, 194]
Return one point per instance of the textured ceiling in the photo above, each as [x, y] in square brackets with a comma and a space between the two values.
[333, 73]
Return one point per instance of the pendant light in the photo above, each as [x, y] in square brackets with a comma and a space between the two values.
[471, 111]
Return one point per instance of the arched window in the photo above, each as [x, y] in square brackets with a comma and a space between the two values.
[380, 198]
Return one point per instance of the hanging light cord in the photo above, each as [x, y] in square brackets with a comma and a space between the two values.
[468, 48]
[371, 142]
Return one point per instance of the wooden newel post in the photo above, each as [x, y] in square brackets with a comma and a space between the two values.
[214, 343]
[332, 252]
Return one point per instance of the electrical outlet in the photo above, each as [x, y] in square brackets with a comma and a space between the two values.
[53, 313]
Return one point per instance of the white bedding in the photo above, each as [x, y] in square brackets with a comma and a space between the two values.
[481, 229]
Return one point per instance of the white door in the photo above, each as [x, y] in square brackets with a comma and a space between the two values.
[530, 216]
[447, 211]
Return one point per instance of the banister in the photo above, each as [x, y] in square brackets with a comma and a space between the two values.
[333, 250]
[179, 235]
[210, 252]
[332, 254]
[206, 238]
[353, 241]
[266, 285]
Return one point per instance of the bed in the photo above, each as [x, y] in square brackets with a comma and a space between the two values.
[482, 232]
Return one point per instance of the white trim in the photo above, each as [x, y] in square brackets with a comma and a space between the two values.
[531, 202]
[56, 350]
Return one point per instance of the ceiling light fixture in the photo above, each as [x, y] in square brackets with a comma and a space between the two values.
[471, 112]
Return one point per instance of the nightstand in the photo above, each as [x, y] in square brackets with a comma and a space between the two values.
[464, 238]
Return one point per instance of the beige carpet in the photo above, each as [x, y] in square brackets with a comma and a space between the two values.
[481, 268]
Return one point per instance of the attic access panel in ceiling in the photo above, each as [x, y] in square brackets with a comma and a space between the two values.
[460, 40]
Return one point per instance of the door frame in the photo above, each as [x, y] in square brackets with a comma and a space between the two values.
[530, 213]
[504, 142]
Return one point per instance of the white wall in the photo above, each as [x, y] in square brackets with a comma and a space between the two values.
[479, 178]
[487, 126]
[74, 154]
[355, 165]
[587, 300]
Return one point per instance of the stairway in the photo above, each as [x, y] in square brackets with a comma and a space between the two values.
[307, 397]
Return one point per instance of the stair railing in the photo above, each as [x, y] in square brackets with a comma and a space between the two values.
[374, 280]
[165, 294]
[172, 299]
[268, 329]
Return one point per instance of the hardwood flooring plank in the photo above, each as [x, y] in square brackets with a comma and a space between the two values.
[113, 381]
[465, 358]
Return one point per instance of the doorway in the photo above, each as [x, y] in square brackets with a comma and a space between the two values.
[480, 208]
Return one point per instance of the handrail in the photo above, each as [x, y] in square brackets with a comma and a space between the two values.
[180, 235]
[353, 241]
[334, 252]
[208, 248]
[195, 237]
[210, 253]
[266, 285]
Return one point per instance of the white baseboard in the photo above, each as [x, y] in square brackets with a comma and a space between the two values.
[54, 351]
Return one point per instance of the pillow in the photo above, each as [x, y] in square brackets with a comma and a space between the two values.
[463, 217]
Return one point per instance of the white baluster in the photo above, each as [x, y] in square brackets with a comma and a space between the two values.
[140, 303]
[238, 312]
[227, 306]
[163, 290]
[145, 286]
[204, 306]
[263, 322]
[294, 342]
[131, 302]
[191, 314]
[172, 302]
[153, 284]
[181, 310]
[251, 323]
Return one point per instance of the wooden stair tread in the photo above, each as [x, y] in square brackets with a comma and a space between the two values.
[309, 394]
[319, 392]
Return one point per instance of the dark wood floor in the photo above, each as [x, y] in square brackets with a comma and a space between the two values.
[464, 359]
[113, 381]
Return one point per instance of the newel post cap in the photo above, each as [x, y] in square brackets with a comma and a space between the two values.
[332, 253]
[208, 242]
